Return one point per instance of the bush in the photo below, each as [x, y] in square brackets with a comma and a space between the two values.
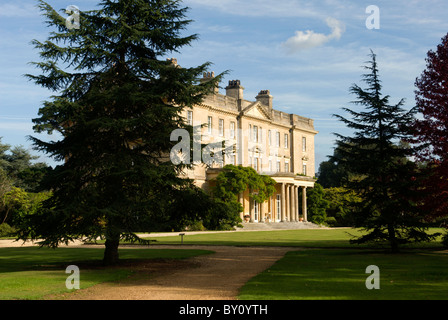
[331, 221]
[317, 205]
[196, 226]
[223, 215]
[6, 230]
[342, 206]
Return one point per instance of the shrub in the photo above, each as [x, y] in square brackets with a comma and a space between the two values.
[317, 205]
[6, 230]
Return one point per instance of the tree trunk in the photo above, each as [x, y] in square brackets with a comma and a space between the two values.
[111, 251]
[393, 239]
[6, 216]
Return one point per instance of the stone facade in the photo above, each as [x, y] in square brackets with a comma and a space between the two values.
[273, 142]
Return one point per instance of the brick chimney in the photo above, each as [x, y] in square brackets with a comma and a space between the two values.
[235, 89]
[265, 98]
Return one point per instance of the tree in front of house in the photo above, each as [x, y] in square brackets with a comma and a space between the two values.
[117, 100]
[342, 206]
[317, 205]
[233, 180]
[386, 179]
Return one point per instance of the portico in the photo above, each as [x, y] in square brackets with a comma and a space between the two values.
[285, 205]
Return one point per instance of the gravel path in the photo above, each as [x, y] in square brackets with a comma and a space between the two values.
[217, 276]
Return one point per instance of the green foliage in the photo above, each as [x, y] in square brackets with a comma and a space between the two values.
[5, 183]
[335, 172]
[187, 209]
[6, 230]
[343, 204]
[230, 183]
[17, 169]
[317, 205]
[19, 180]
[236, 179]
[17, 204]
[223, 215]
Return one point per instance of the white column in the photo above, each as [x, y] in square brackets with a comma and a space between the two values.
[283, 202]
[296, 204]
[292, 205]
[304, 204]
[288, 202]
[261, 213]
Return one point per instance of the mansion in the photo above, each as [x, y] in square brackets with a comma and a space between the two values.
[274, 143]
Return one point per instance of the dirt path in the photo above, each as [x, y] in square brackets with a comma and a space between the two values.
[217, 276]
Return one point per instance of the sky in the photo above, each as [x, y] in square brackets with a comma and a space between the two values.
[308, 53]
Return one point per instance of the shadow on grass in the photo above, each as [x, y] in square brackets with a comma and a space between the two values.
[35, 258]
[341, 274]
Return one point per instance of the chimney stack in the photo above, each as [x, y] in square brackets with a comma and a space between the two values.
[207, 76]
[173, 62]
[235, 89]
[265, 98]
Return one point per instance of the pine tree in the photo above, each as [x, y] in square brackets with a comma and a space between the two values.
[117, 100]
[386, 179]
[431, 129]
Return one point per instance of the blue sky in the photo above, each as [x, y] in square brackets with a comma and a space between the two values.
[307, 53]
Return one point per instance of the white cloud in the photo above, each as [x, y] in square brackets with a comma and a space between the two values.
[310, 39]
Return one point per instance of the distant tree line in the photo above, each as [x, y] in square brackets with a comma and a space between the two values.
[20, 185]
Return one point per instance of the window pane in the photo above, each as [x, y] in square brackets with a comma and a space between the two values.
[221, 127]
[209, 125]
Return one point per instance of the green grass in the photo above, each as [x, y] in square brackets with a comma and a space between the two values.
[322, 274]
[33, 273]
[307, 238]
[334, 271]
[331, 268]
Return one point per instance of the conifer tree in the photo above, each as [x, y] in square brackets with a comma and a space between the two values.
[386, 179]
[117, 99]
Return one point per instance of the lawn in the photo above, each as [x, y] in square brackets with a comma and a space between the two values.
[290, 238]
[307, 238]
[331, 268]
[33, 273]
[322, 274]
[327, 268]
